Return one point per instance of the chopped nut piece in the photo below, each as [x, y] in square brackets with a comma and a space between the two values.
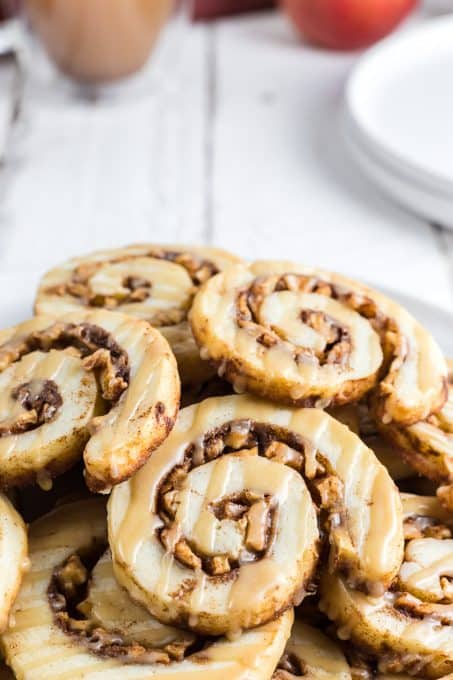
[258, 526]
[285, 454]
[331, 491]
[218, 565]
[185, 555]
[71, 575]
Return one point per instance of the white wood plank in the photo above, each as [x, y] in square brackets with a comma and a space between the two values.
[124, 167]
[283, 185]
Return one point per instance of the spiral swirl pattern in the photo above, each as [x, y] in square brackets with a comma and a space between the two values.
[408, 628]
[152, 282]
[312, 338]
[72, 619]
[218, 531]
[52, 410]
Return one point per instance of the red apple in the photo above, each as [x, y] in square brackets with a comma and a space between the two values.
[346, 24]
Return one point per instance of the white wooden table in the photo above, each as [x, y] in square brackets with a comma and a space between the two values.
[230, 138]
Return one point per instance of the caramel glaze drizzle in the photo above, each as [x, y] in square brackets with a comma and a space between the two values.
[338, 340]
[67, 592]
[199, 270]
[418, 526]
[273, 443]
[94, 344]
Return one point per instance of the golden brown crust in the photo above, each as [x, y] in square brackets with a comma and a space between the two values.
[313, 338]
[427, 446]
[409, 628]
[118, 394]
[73, 620]
[152, 282]
[221, 535]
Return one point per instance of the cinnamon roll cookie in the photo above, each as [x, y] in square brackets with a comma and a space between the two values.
[73, 621]
[428, 445]
[218, 532]
[409, 628]
[311, 338]
[96, 382]
[152, 282]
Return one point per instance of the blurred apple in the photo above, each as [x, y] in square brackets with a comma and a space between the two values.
[346, 24]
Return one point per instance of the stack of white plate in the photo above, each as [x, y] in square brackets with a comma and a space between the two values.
[399, 118]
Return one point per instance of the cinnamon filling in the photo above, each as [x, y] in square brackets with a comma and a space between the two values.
[135, 289]
[289, 666]
[41, 401]
[67, 596]
[338, 341]
[254, 515]
[418, 526]
[337, 338]
[94, 344]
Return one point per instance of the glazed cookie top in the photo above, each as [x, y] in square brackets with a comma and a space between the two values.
[152, 282]
[308, 337]
[73, 620]
[97, 379]
[409, 627]
[155, 283]
[217, 507]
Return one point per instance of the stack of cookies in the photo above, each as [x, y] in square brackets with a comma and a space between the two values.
[236, 471]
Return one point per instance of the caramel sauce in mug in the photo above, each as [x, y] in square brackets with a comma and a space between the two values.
[98, 40]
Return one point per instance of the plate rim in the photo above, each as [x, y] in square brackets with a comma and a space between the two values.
[430, 206]
[430, 26]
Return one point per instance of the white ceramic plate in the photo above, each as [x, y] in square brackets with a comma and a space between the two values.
[399, 117]
[434, 205]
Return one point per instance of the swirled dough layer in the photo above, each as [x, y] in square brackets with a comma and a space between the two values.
[409, 628]
[152, 282]
[215, 533]
[72, 623]
[96, 382]
[308, 337]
